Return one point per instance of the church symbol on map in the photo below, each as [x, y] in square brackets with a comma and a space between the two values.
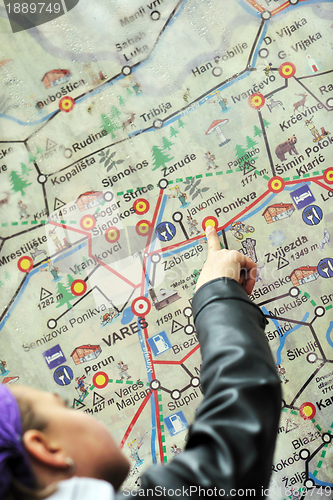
[163, 298]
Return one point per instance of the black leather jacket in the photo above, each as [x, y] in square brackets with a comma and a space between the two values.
[231, 442]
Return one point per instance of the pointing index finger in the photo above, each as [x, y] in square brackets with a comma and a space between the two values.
[212, 239]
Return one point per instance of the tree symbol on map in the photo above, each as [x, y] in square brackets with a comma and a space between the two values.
[39, 150]
[166, 143]
[265, 122]
[193, 187]
[257, 131]
[32, 158]
[108, 125]
[106, 158]
[240, 154]
[70, 280]
[159, 158]
[180, 124]
[115, 113]
[173, 132]
[18, 184]
[25, 169]
[250, 143]
[65, 296]
[121, 100]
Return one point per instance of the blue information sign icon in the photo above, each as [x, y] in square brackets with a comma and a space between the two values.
[165, 231]
[325, 268]
[302, 197]
[63, 375]
[54, 357]
[312, 215]
[176, 423]
[159, 343]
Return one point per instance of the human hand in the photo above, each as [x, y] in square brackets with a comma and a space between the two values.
[226, 264]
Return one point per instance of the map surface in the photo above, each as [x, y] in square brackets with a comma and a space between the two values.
[126, 128]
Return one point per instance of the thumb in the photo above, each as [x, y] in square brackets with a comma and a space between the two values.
[212, 239]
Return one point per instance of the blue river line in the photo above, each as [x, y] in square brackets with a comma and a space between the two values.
[328, 334]
[29, 276]
[285, 335]
[152, 396]
[317, 481]
[143, 344]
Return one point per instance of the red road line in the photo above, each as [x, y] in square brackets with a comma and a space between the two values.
[283, 7]
[257, 6]
[134, 419]
[159, 201]
[297, 181]
[176, 245]
[178, 362]
[90, 252]
[145, 331]
[70, 228]
[280, 8]
[157, 413]
[158, 425]
[144, 260]
[246, 209]
[322, 185]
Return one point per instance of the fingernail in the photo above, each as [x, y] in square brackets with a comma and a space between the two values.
[209, 229]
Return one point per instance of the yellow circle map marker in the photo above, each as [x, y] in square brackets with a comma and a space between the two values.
[100, 380]
[143, 227]
[88, 222]
[210, 221]
[78, 287]
[66, 104]
[112, 234]
[25, 264]
[307, 411]
[141, 206]
[328, 175]
[287, 70]
[256, 100]
[276, 184]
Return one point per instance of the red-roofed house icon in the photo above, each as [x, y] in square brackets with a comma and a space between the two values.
[56, 77]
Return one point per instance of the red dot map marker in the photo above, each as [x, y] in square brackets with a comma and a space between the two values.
[88, 222]
[287, 70]
[307, 411]
[25, 264]
[210, 221]
[256, 100]
[100, 380]
[66, 104]
[141, 206]
[276, 184]
[78, 287]
[328, 175]
[140, 306]
[143, 227]
[112, 234]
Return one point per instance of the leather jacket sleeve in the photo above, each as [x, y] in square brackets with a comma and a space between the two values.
[231, 442]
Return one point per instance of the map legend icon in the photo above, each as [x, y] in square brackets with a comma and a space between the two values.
[176, 423]
[159, 343]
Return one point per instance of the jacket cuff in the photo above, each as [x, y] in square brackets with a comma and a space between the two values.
[220, 289]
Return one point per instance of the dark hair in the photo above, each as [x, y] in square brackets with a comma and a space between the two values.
[30, 420]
